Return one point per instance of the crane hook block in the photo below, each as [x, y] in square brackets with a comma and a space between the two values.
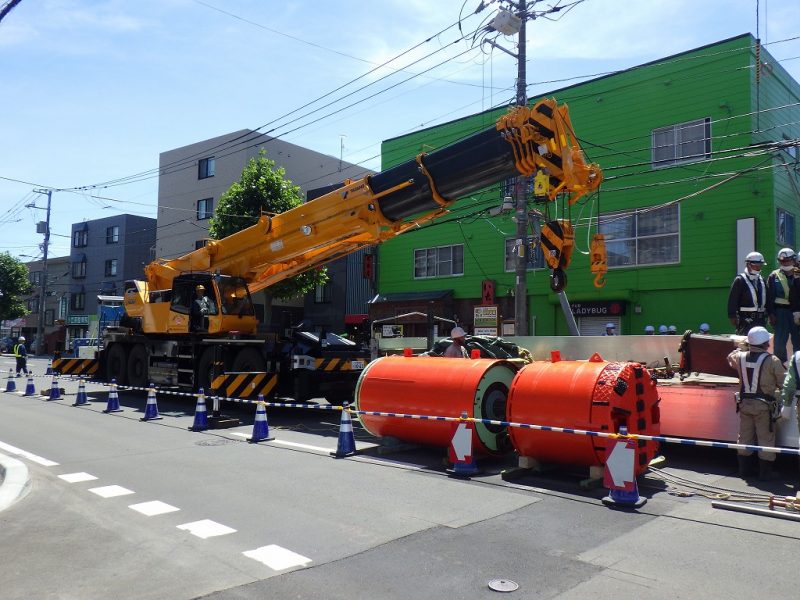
[558, 239]
[599, 260]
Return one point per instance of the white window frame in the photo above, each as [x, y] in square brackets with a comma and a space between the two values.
[638, 240]
[439, 260]
[674, 135]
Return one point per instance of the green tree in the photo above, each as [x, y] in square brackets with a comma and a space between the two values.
[263, 188]
[13, 284]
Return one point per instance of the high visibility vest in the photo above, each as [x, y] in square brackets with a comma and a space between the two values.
[17, 352]
[757, 293]
[751, 373]
[783, 286]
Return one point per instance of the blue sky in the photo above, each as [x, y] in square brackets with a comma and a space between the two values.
[94, 90]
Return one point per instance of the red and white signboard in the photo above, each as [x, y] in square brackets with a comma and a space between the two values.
[620, 455]
[460, 449]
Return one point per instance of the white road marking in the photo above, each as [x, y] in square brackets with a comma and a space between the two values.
[111, 491]
[292, 444]
[277, 557]
[156, 507]
[206, 528]
[25, 454]
[389, 461]
[77, 477]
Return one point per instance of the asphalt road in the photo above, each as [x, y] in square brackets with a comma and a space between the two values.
[128, 509]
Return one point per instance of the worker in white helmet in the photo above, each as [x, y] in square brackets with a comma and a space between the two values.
[705, 328]
[662, 330]
[21, 354]
[611, 329]
[779, 309]
[747, 298]
[673, 330]
[457, 349]
[758, 402]
[649, 330]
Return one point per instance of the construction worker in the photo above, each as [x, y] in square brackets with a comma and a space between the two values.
[457, 349]
[705, 328]
[610, 329]
[673, 330]
[790, 389]
[662, 330]
[779, 310]
[21, 354]
[199, 310]
[747, 298]
[649, 330]
[761, 376]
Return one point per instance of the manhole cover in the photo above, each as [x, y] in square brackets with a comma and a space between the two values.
[215, 442]
[503, 585]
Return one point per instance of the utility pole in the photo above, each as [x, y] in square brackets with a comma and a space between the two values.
[521, 293]
[43, 291]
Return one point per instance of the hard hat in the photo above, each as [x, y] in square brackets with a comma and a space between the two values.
[704, 327]
[610, 326]
[662, 329]
[21, 338]
[786, 253]
[457, 332]
[200, 286]
[673, 329]
[757, 336]
[754, 257]
[650, 328]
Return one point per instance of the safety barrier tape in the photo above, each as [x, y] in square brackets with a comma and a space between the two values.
[567, 430]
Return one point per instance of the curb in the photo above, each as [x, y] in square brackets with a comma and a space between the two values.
[14, 481]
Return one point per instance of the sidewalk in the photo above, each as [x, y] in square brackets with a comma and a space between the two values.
[14, 481]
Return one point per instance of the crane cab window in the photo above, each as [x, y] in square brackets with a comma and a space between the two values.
[235, 297]
[183, 295]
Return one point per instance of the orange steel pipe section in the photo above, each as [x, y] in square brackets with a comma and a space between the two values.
[427, 385]
[594, 395]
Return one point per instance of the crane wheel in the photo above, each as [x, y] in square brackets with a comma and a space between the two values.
[117, 364]
[138, 367]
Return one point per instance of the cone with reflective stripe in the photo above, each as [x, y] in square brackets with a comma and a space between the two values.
[151, 409]
[346, 446]
[11, 385]
[49, 368]
[55, 393]
[113, 399]
[200, 414]
[81, 399]
[30, 389]
[260, 425]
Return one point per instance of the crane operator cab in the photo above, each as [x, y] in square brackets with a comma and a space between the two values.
[210, 304]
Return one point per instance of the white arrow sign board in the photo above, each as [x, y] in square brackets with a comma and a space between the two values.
[619, 465]
[462, 442]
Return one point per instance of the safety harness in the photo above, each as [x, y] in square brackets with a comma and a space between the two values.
[758, 304]
[750, 375]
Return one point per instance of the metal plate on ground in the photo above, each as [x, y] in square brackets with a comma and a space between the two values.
[214, 442]
[503, 585]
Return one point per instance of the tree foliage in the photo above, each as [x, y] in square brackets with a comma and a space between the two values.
[262, 188]
[13, 284]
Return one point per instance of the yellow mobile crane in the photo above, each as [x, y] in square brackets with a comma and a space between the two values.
[153, 342]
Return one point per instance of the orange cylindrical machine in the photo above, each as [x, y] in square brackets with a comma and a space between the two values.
[594, 395]
[429, 385]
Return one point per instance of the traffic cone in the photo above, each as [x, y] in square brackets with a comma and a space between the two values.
[30, 388]
[200, 415]
[11, 385]
[81, 399]
[113, 399]
[460, 452]
[260, 425]
[151, 409]
[49, 368]
[346, 446]
[55, 393]
[623, 499]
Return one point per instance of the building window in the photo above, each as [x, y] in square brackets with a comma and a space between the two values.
[35, 277]
[200, 244]
[80, 239]
[682, 143]
[322, 294]
[206, 167]
[77, 301]
[49, 316]
[63, 303]
[79, 269]
[111, 267]
[648, 236]
[33, 305]
[205, 208]
[535, 256]
[112, 234]
[439, 262]
[784, 227]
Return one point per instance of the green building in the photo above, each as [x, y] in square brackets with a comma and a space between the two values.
[700, 156]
